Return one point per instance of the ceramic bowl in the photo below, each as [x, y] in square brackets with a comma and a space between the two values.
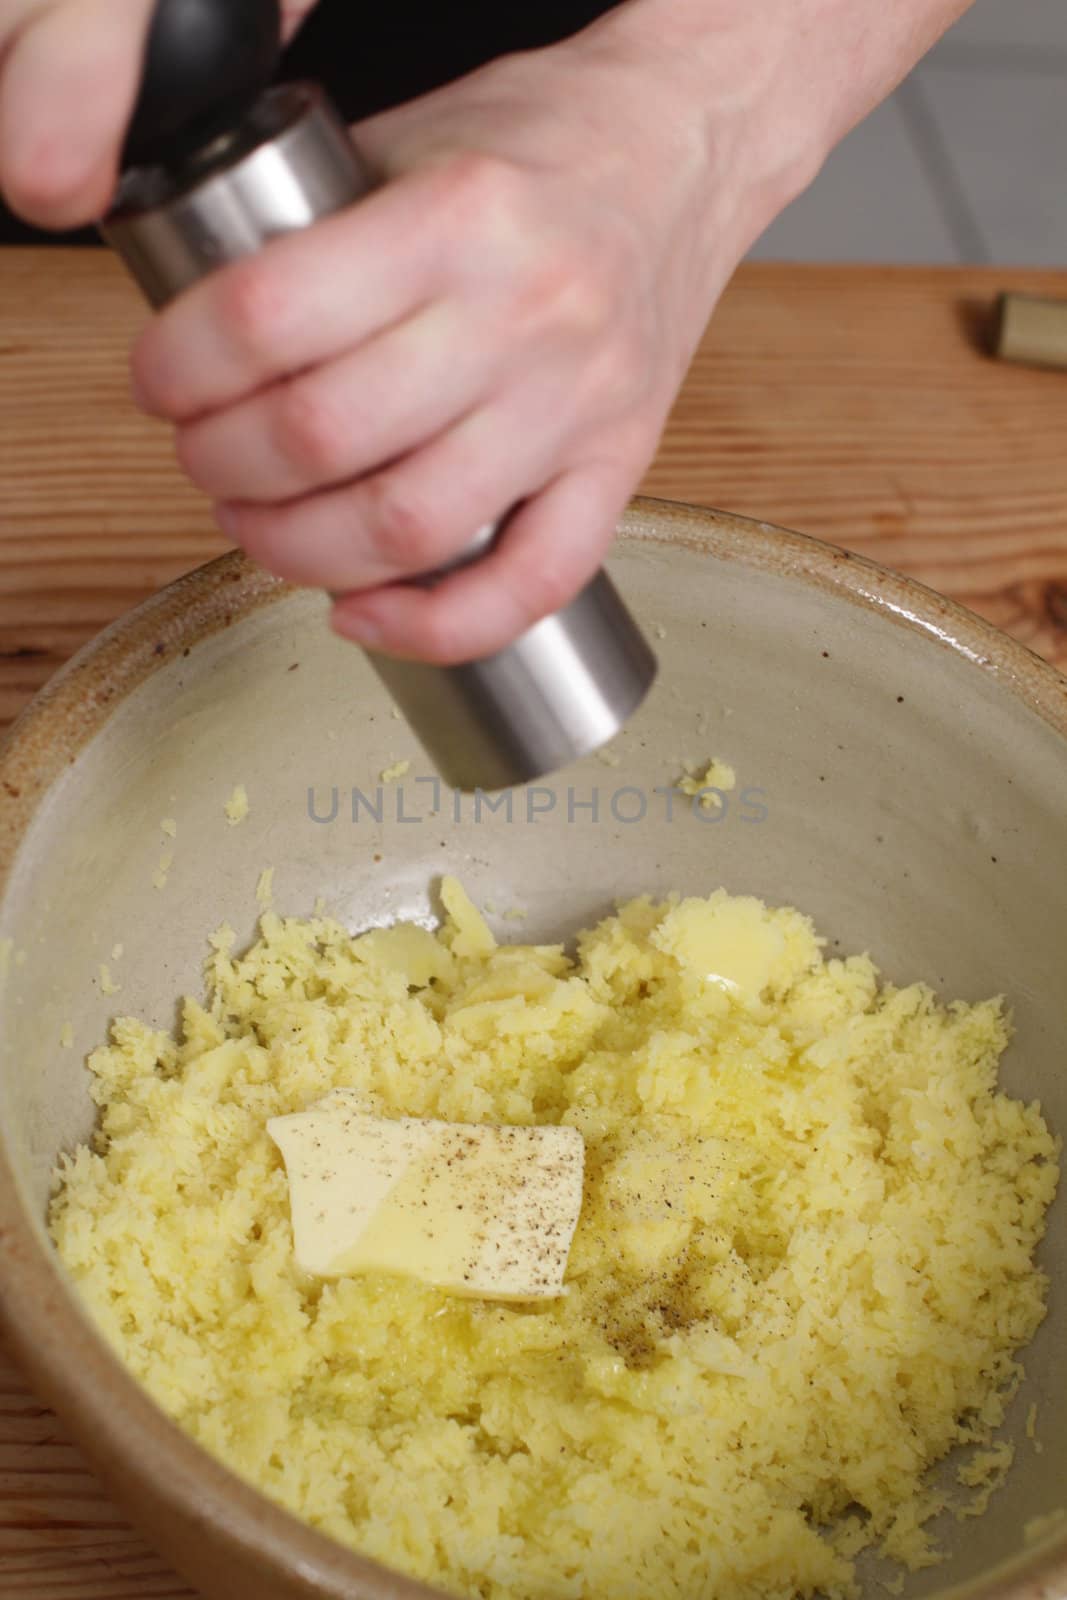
[905, 768]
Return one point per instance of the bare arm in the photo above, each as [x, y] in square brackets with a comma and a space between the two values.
[789, 77]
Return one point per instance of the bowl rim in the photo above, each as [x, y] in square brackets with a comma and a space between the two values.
[112, 1417]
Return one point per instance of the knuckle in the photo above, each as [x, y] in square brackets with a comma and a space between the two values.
[561, 288]
[309, 431]
[31, 191]
[442, 639]
[635, 441]
[404, 530]
[585, 299]
[541, 590]
[154, 376]
[41, 184]
[479, 189]
[621, 458]
[271, 539]
[251, 307]
[618, 371]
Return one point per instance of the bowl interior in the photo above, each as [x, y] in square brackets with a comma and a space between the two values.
[891, 783]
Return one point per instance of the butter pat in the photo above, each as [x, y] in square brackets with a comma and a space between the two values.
[482, 1210]
[735, 943]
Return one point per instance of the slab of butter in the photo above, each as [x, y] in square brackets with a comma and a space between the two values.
[486, 1211]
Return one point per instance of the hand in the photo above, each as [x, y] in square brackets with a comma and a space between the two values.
[69, 76]
[505, 321]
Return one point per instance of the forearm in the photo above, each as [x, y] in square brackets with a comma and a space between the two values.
[777, 81]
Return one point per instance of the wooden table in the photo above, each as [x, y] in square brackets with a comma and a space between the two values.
[852, 403]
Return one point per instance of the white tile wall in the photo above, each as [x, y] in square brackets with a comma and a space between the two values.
[967, 162]
[1007, 139]
[873, 201]
[1036, 24]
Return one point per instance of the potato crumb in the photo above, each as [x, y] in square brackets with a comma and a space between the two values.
[169, 827]
[116, 952]
[609, 758]
[265, 886]
[236, 807]
[66, 1036]
[800, 1277]
[1031, 1421]
[399, 769]
[107, 983]
[659, 630]
[985, 1471]
[717, 775]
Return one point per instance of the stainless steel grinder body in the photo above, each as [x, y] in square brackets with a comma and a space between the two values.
[571, 681]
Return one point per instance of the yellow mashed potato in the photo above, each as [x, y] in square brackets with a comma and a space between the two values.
[802, 1269]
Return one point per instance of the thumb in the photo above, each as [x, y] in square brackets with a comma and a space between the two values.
[68, 82]
[293, 14]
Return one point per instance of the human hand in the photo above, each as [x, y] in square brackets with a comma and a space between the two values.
[505, 321]
[69, 76]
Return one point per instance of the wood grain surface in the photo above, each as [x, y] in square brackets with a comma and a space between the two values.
[848, 402]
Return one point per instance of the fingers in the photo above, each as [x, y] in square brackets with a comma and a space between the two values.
[68, 84]
[407, 519]
[550, 549]
[338, 421]
[293, 14]
[364, 397]
[297, 302]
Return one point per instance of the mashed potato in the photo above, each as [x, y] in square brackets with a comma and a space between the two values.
[801, 1273]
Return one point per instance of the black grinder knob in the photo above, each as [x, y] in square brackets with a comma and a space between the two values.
[206, 63]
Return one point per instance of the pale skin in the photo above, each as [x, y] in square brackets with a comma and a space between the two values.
[504, 322]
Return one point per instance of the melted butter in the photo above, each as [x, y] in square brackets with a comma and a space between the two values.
[740, 949]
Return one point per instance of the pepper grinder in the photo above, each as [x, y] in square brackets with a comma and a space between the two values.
[216, 164]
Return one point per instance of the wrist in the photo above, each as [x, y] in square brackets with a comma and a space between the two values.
[717, 81]
[771, 87]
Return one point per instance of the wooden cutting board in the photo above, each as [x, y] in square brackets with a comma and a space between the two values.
[852, 403]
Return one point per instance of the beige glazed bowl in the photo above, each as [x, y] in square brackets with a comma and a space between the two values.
[913, 769]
